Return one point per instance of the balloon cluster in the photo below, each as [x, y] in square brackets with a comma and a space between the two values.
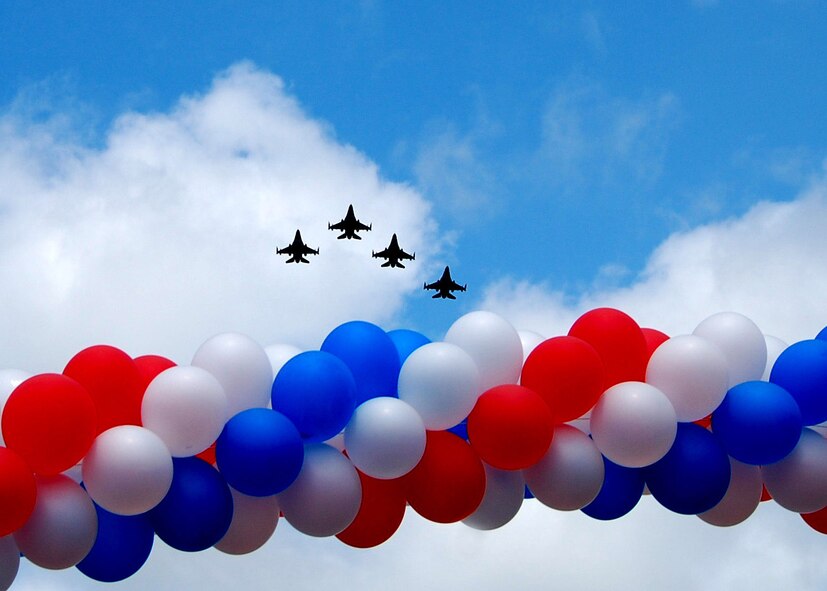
[99, 459]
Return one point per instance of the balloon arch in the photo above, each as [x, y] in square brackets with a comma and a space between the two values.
[99, 459]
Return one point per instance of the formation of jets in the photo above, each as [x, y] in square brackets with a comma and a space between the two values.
[349, 226]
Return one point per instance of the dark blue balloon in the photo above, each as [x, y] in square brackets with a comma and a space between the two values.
[370, 354]
[407, 341]
[694, 474]
[259, 452]
[822, 336]
[198, 509]
[527, 494]
[121, 548]
[758, 423]
[620, 493]
[460, 429]
[801, 370]
[317, 392]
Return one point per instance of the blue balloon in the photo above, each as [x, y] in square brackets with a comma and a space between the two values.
[198, 509]
[822, 336]
[801, 370]
[259, 452]
[121, 548]
[758, 423]
[527, 494]
[317, 392]
[620, 493]
[694, 474]
[370, 354]
[407, 341]
[460, 429]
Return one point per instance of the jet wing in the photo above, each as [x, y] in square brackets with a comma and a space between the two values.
[434, 285]
[307, 250]
[382, 254]
[360, 226]
[286, 250]
[404, 255]
[340, 225]
[456, 286]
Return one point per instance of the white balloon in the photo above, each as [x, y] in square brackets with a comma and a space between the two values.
[775, 347]
[504, 493]
[529, 339]
[633, 424]
[186, 407]
[128, 470]
[385, 437]
[326, 496]
[9, 380]
[492, 343]
[741, 499]
[254, 521]
[279, 355]
[741, 341]
[569, 476]
[9, 562]
[241, 367]
[62, 529]
[799, 481]
[693, 373]
[441, 382]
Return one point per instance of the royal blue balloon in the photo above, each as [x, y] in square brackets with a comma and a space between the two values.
[121, 548]
[694, 474]
[822, 336]
[370, 354]
[407, 341]
[317, 392]
[527, 494]
[259, 452]
[198, 509]
[758, 423]
[801, 370]
[460, 429]
[620, 493]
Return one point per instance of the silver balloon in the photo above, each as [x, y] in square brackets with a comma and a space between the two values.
[254, 521]
[799, 481]
[504, 493]
[775, 347]
[741, 341]
[279, 355]
[9, 562]
[741, 499]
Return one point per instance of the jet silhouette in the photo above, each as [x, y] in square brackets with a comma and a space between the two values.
[297, 250]
[394, 254]
[444, 286]
[349, 225]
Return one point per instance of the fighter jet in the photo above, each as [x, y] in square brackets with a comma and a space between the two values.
[297, 250]
[394, 254]
[444, 286]
[349, 226]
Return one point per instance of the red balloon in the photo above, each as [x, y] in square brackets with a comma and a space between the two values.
[149, 366]
[817, 520]
[18, 492]
[618, 340]
[113, 380]
[510, 427]
[654, 339]
[50, 420]
[765, 494]
[208, 455]
[567, 373]
[448, 483]
[380, 514]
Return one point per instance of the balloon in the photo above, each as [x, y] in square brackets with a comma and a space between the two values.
[254, 521]
[50, 420]
[198, 509]
[529, 341]
[692, 372]
[370, 354]
[208, 455]
[17, 491]
[317, 392]
[633, 424]
[570, 474]
[492, 343]
[569, 375]
[9, 562]
[385, 438]
[63, 526]
[441, 382]
[407, 341]
[380, 513]
[128, 470]
[149, 366]
[448, 484]
[9, 380]
[757, 423]
[259, 452]
[654, 339]
[279, 355]
[799, 481]
[694, 476]
[121, 548]
[741, 498]
[241, 367]
[741, 341]
[504, 492]
[621, 490]
[801, 370]
[325, 498]
[186, 407]
[510, 427]
[822, 335]
[775, 347]
[114, 382]
[816, 520]
[460, 429]
[618, 340]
